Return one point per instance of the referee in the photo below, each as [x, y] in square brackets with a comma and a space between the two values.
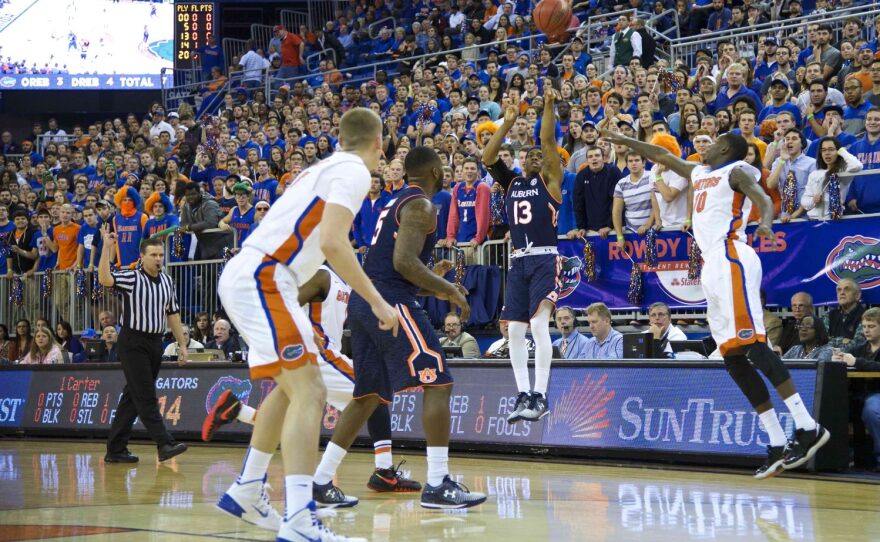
[149, 301]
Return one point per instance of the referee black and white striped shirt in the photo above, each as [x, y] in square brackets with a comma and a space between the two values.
[147, 300]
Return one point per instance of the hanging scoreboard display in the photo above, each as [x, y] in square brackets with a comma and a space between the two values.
[193, 23]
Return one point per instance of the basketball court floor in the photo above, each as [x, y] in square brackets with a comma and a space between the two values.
[52, 490]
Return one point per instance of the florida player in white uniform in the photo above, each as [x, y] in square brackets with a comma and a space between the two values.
[259, 290]
[533, 200]
[725, 188]
[325, 300]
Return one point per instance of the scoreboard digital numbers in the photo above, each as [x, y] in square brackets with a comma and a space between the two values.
[193, 23]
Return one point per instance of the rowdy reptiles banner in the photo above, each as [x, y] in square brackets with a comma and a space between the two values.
[808, 256]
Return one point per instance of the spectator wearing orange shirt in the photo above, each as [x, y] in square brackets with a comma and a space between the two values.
[63, 241]
[292, 47]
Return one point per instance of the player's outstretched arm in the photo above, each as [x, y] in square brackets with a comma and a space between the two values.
[551, 169]
[417, 220]
[654, 153]
[490, 153]
[743, 182]
[335, 224]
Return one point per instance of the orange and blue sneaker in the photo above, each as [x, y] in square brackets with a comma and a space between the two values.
[224, 411]
[392, 481]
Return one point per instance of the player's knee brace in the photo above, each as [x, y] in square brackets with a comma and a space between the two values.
[769, 363]
[747, 378]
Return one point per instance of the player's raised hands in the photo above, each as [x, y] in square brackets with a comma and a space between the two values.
[613, 137]
[511, 112]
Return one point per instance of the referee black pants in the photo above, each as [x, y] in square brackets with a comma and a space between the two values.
[141, 358]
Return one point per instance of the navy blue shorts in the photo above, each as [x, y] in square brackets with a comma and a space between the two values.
[530, 280]
[384, 364]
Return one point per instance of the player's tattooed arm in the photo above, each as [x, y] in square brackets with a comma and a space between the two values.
[417, 220]
[741, 181]
[654, 153]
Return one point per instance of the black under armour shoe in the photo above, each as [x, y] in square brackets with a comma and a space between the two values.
[450, 495]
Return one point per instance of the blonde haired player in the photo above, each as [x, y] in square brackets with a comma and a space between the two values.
[259, 290]
[725, 187]
[325, 298]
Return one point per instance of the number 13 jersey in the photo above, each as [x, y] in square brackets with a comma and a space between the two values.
[531, 210]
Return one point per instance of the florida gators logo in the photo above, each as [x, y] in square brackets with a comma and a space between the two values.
[746, 334]
[857, 258]
[428, 376]
[569, 274]
[292, 352]
[240, 388]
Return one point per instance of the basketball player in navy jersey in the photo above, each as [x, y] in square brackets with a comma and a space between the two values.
[533, 200]
[404, 237]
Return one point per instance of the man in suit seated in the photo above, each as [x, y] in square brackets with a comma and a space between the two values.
[224, 339]
[572, 345]
[109, 336]
[171, 349]
[456, 337]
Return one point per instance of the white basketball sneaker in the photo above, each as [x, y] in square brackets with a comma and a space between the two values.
[250, 502]
[304, 526]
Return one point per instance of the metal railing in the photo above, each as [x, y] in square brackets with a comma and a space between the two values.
[376, 27]
[686, 47]
[292, 20]
[262, 34]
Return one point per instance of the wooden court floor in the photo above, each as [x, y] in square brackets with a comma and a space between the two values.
[63, 491]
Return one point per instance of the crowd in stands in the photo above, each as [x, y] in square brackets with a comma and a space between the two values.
[806, 99]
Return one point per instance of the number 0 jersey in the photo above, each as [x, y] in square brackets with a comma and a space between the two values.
[720, 212]
[531, 209]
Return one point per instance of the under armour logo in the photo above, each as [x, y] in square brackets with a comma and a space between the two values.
[449, 494]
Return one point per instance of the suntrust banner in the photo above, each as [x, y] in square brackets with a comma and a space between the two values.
[675, 409]
[807, 256]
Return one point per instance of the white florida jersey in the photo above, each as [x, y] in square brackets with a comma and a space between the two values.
[328, 317]
[290, 231]
[720, 213]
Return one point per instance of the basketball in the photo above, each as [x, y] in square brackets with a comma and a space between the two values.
[552, 17]
[564, 36]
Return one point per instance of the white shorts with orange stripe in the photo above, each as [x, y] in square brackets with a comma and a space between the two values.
[337, 371]
[731, 280]
[260, 296]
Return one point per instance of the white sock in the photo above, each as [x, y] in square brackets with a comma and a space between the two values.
[438, 464]
[519, 355]
[330, 461]
[256, 463]
[802, 418]
[247, 414]
[383, 454]
[297, 493]
[543, 349]
[774, 429]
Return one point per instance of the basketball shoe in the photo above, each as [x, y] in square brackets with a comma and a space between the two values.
[522, 402]
[250, 502]
[536, 409]
[804, 446]
[224, 411]
[330, 496]
[773, 465]
[450, 495]
[304, 526]
[392, 480]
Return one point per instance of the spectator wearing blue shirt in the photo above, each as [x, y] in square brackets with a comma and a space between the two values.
[211, 56]
[719, 18]
[864, 194]
[581, 58]
[365, 221]
[607, 343]
[89, 240]
[735, 88]
[442, 201]
[572, 345]
[779, 91]
[266, 188]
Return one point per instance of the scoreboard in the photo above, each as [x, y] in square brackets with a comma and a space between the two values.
[193, 23]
